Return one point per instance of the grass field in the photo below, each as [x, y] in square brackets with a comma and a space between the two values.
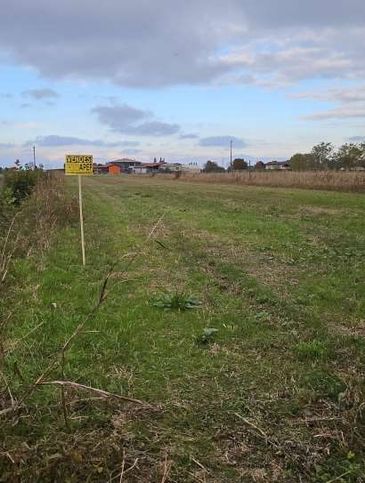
[275, 394]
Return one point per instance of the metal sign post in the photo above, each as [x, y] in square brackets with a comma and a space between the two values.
[80, 165]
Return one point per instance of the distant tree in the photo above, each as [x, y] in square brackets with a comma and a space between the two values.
[302, 162]
[260, 165]
[239, 164]
[323, 155]
[362, 157]
[212, 167]
[350, 156]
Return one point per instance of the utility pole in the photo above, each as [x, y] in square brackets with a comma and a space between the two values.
[34, 164]
[230, 154]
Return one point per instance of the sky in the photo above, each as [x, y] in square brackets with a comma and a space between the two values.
[179, 79]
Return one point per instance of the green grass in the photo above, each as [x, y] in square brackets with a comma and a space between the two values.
[272, 395]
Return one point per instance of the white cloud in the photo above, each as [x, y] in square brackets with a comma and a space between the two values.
[142, 43]
[129, 120]
[343, 112]
[349, 102]
[353, 93]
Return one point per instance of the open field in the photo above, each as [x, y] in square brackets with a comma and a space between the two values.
[317, 180]
[276, 394]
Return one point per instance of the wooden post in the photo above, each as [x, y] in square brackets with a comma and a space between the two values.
[81, 223]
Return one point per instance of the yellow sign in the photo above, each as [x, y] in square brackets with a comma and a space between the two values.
[79, 164]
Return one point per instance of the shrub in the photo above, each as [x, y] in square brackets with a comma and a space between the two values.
[18, 184]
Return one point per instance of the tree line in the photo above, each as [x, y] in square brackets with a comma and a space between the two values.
[326, 156]
[323, 156]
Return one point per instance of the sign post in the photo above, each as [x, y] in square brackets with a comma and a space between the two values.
[80, 165]
[81, 223]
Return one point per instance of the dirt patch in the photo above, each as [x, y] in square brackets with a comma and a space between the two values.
[357, 330]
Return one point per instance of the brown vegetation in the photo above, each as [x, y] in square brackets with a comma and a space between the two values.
[327, 180]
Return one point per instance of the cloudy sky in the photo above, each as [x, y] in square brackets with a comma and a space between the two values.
[179, 79]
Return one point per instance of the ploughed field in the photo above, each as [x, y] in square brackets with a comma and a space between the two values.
[234, 314]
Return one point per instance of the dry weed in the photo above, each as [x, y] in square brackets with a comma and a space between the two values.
[326, 180]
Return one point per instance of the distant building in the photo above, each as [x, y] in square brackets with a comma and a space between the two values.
[145, 168]
[114, 169]
[139, 169]
[278, 165]
[126, 165]
[170, 167]
[100, 168]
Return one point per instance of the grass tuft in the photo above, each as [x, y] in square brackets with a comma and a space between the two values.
[312, 350]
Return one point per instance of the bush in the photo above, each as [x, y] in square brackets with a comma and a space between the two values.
[19, 184]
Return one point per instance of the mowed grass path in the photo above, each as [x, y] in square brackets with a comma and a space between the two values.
[276, 395]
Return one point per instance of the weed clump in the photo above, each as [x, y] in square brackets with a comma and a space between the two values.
[207, 336]
[176, 301]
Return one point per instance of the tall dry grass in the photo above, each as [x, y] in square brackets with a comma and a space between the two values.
[27, 228]
[316, 180]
